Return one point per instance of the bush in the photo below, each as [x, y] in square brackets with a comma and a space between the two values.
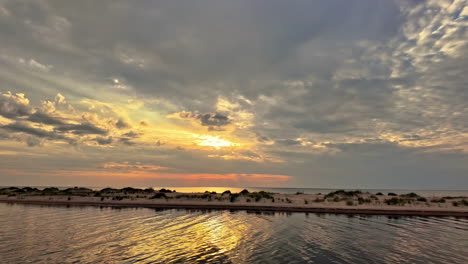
[362, 200]
[349, 202]
[248, 200]
[306, 202]
[165, 190]
[288, 201]
[441, 200]
[297, 193]
[244, 192]
[379, 193]
[228, 192]
[159, 196]
[411, 195]
[233, 197]
[397, 201]
[317, 200]
[343, 193]
[422, 199]
[392, 194]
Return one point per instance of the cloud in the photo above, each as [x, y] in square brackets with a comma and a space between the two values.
[25, 128]
[43, 118]
[81, 129]
[14, 105]
[121, 124]
[215, 121]
[330, 84]
[104, 141]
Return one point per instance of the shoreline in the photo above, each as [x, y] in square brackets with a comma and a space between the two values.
[257, 208]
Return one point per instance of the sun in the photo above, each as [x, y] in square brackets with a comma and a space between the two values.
[215, 142]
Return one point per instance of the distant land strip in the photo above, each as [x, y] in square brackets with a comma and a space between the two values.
[259, 208]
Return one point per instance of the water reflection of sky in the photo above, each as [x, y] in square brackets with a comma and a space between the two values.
[51, 234]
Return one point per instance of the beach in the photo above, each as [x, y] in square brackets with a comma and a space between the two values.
[338, 202]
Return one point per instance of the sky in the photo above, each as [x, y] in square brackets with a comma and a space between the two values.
[326, 93]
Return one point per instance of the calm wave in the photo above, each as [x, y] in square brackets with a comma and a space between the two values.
[52, 234]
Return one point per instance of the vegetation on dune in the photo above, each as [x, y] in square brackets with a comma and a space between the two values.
[410, 195]
[343, 193]
[441, 200]
[391, 194]
[159, 195]
[244, 192]
[379, 193]
[364, 200]
[398, 201]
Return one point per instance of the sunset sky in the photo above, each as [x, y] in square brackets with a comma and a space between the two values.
[340, 94]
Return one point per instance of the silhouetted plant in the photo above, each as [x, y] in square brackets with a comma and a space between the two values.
[410, 195]
[244, 192]
[379, 193]
[349, 202]
[392, 194]
[306, 202]
[441, 200]
[159, 196]
[422, 199]
[228, 192]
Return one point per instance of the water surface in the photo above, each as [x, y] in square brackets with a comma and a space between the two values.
[58, 234]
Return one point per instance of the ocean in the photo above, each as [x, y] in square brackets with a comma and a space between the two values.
[61, 234]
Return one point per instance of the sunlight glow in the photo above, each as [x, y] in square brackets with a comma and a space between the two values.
[215, 142]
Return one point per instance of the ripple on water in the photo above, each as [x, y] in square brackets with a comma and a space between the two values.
[51, 234]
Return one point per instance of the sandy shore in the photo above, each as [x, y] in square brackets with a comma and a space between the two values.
[313, 203]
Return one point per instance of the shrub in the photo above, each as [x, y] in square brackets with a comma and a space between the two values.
[422, 199]
[297, 193]
[362, 200]
[397, 201]
[349, 202]
[317, 200]
[441, 200]
[306, 202]
[392, 194]
[248, 200]
[158, 196]
[288, 201]
[244, 192]
[233, 197]
[343, 193]
[165, 191]
[102, 198]
[379, 193]
[228, 192]
[411, 195]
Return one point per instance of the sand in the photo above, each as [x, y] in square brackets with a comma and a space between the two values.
[283, 203]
